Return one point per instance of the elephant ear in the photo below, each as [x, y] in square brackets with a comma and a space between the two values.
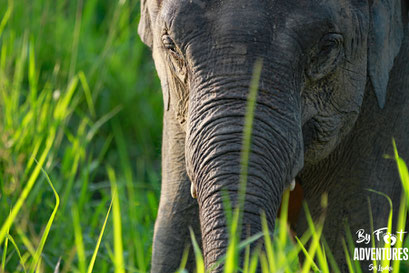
[384, 43]
[144, 27]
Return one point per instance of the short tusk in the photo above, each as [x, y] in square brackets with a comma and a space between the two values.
[292, 185]
[193, 190]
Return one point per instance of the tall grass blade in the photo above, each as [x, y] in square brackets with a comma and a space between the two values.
[6, 16]
[246, 262]
[32, 77]
[3, 260]
[183, 262]
[27, 188]
[402, 168]
[57, 266]
[116, 221]
[351, 245]
[231, 263]
[315, 243]
[79, 241]
[271, 258]
[22, 261]
[102, 121]
[76, 38]
[235, 225]
[402, 216]
[348, 257]
[264, 263]
[403, 208]
[36, 258]
[309, 260]
[61, 110]
[26, 242]
[87, 92]
[254, 261]
[331, 258]
[283, 234]
[200, 268]
[135, 238]
[385, 263]
[94, 255]
[247, 131]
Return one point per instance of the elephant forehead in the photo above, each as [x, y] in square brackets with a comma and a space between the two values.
[257, 19]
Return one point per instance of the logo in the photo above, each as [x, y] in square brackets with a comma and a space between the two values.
[381, 234]
[383, 248]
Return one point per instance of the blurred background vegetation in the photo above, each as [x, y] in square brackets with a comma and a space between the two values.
[80, 98]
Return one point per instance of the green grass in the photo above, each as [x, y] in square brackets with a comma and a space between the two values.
[80, 123]
[78, 93]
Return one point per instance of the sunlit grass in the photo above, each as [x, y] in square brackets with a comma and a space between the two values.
[66, 99]
[74, 99]
[95, 253]
[79, 240]
[36, 259]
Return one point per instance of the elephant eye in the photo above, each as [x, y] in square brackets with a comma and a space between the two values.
[168, 42]
[170, 45]
[175, 58]
[326, 56]
[329, 42]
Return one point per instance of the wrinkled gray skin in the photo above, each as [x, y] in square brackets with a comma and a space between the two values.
[331, 97]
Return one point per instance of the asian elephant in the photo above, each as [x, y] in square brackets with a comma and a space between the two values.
[332, 94]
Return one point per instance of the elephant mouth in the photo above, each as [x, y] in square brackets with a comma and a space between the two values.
[294, 203]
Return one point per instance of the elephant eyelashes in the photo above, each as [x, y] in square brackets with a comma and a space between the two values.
[168, 42]
[170, 46]
[326, 56]
[176, 60]
[330, 42]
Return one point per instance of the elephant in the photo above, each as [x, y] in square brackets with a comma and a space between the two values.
[333, 92]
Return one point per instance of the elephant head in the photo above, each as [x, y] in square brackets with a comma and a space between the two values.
[317, 57]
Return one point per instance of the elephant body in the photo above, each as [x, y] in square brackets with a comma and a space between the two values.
[332, 94]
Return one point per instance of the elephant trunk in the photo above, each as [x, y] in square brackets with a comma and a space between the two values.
[213, 152]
